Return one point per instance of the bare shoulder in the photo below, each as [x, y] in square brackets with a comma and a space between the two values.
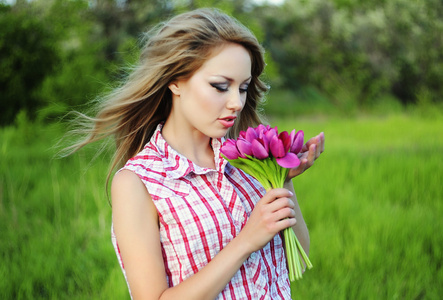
[126, 179]
[129, 195]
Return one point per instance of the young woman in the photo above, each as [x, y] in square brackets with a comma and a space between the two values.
[187, 224]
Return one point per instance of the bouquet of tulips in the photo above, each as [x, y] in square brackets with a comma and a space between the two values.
[267, 155]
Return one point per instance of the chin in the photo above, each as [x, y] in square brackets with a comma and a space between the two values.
[216, 134]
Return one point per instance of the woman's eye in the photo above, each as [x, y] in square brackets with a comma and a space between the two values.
[244, 89]
[220, 87]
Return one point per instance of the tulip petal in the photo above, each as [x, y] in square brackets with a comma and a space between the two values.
[290, 160]
[229, 149]
[292, 135]
[284, 137]
[277, 148]
[258, 150]
[250, 134]
[297, 142]
[260, 129]
[270, 133]
[244, 147]
[265, 142]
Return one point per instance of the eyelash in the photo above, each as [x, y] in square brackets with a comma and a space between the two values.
[222, 90]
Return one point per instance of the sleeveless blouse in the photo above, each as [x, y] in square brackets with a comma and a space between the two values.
[200, 211]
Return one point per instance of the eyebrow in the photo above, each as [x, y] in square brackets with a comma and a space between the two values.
[230, 79]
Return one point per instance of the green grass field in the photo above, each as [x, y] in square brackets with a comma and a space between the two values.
[373, 204]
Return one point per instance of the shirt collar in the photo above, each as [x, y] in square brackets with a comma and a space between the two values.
[178, 166]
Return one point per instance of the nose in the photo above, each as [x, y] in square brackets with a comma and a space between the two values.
[236, 101]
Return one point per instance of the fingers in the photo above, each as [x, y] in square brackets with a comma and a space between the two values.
[284, 213]
[273, 213]
[273, 194]
[285, 223]
[315, 146]
[322, 142]
[280, 203]
[319, 141]
[308, 158]
[310, 142]
[281, 207]
[310, 152]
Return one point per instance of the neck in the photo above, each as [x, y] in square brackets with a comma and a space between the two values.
[192, 144]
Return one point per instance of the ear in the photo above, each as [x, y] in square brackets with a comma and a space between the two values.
[175, 88]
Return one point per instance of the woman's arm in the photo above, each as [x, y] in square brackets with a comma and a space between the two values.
[136, 227]
[135, 223]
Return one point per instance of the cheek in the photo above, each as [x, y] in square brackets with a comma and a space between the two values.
[211, 100]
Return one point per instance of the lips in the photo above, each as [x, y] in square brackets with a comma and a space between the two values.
[227, 121]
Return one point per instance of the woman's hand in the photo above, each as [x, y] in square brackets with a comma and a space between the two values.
[273, 213]
[309, 153]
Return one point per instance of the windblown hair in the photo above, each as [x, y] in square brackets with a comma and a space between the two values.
[172, 51]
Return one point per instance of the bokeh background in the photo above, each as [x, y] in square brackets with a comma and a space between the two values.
[368, 73]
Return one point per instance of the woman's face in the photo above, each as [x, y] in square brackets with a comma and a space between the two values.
[211, 99]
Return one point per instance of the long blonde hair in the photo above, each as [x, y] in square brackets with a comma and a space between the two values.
[173, 50]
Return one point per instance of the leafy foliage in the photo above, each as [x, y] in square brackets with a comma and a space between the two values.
[343, 55]
[27, 55]
[368, 48]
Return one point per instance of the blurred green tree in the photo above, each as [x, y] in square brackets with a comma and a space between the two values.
[58, 54]
[97, 38]
[27, 55]
[355, 50]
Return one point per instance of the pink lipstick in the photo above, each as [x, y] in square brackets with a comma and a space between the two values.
[228, 121]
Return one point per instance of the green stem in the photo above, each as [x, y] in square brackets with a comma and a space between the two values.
[253, 170]
[304, 255]
[296, 256]
[290, 258]
[284, 175]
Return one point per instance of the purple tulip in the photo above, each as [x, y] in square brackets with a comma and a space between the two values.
[261, 128]
[284, 137]
[296, 141]
[244, 147]
[277, 147]
[259, 150]
[229, 149]
[251, 134]
[270, 133]
[265, 141]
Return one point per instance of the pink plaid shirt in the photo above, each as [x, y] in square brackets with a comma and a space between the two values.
[200, 211]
